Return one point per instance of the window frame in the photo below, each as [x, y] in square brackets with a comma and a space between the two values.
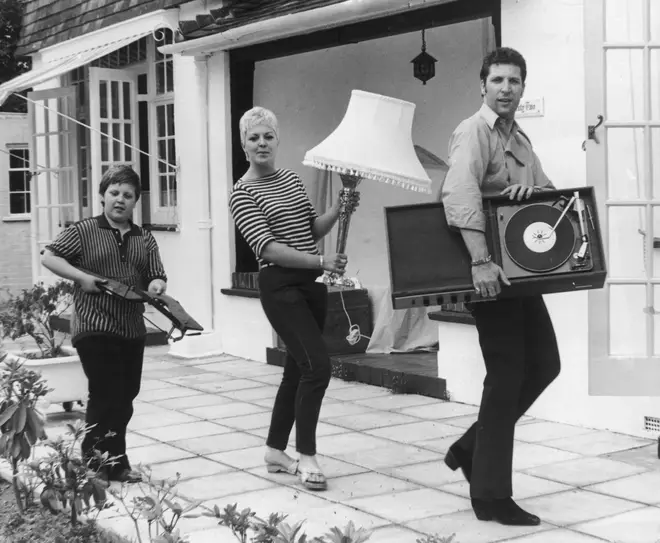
[26, 149]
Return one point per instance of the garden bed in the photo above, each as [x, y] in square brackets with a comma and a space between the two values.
[40, 526]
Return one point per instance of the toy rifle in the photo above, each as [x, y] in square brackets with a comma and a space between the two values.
[164, 304]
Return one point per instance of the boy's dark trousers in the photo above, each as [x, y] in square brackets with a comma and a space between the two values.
[521, 356]
[113, 366]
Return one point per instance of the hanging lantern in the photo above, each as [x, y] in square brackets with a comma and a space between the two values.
[424, 64]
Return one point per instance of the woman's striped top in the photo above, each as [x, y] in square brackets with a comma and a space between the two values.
[274, 208]
[95, 246]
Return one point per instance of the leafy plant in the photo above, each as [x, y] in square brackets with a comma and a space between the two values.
[437, 539]
[10, 65]
[21, 423]
[275, 530]
[70, 485]
[31, 314]
[158, 506]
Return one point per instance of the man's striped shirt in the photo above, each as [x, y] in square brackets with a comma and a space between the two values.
[274, 208]
[95, 246]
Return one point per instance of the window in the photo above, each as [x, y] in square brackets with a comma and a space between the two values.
[19, 181]
[154, 84]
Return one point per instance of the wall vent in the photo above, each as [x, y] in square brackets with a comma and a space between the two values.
[652, 424]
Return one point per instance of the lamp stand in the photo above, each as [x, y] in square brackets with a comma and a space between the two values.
[348, 198]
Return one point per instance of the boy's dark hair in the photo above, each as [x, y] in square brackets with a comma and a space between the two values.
[116, 175]
[503, 55]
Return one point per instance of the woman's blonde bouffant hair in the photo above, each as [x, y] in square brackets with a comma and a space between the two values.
[256, 116]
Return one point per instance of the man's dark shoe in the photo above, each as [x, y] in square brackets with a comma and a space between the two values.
[505, 511]
[126, 475]
[456, 458]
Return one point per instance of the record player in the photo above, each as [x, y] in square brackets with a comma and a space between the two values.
[548, 243]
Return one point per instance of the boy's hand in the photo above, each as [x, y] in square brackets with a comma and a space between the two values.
[157, 286]
[90, 284]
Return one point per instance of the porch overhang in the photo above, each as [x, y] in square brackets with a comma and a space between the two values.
[60, 59]
[298, 23]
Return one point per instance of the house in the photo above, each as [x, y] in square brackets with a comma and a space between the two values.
[15, 244]
[161, 85]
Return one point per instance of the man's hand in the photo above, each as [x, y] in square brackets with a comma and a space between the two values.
[519, 192]
[157, 286]
[486, 279]
[90, 284]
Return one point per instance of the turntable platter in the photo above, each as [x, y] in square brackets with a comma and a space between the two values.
[531, 242]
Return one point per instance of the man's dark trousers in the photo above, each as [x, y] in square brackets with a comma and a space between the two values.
[520, 353]
[113, 367]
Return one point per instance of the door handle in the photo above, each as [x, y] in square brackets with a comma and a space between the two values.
[591, 132]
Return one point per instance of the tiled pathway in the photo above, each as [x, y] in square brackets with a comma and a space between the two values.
[207, 419]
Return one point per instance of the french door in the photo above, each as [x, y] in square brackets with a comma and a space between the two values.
[113, 118]
[54, 188]
[622, 71]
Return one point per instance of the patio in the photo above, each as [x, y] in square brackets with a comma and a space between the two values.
[382, 452]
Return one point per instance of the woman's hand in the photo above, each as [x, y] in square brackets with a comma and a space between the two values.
[335, 262]
[157, 286]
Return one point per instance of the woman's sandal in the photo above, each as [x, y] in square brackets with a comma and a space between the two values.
[291, 469]
[313, 480]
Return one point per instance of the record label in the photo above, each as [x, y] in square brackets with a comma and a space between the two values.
[537, 240]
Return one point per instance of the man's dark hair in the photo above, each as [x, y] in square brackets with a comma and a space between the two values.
[115, 175]
[503, 55]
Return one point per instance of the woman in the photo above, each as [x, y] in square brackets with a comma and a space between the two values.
[279, 222]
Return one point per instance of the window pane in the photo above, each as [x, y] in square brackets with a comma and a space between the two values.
[104, 142]
[171, 153]
[128, 139]
[116, 146]
[160, 78]
[655, 20]
[624, 91]
[626, 230]
[625, 164]
[173, 189]
[142, 84]
[624, 20]
[103, 92]
[17, 203]
[170, 120]
[161, 129]
[655, 84]
[169, 67]
[114, 94]
[627, 320]
[163, 186]
[27, 202]
[17, 158]
[655, 160]
[127, 99]
[145, 170]
[16, 182]
[162, 155]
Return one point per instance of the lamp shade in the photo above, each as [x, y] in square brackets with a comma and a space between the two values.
[373, 141]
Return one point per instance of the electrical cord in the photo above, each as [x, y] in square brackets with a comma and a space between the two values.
[354, 333]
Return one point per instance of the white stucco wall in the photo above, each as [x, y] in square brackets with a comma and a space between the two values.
[550, 36]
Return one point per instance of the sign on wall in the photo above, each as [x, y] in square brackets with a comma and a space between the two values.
[530, 108]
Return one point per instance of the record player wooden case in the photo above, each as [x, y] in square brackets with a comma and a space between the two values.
[548, 243]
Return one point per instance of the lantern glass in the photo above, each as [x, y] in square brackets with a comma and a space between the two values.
[424, 67]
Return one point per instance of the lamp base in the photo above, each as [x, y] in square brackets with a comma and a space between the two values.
[333, 279]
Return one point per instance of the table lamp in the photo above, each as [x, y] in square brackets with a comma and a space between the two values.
[373, 141]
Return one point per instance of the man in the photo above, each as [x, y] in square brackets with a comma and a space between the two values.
[109, 332]
[490, 154]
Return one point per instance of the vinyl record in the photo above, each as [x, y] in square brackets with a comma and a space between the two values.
[531, 242]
